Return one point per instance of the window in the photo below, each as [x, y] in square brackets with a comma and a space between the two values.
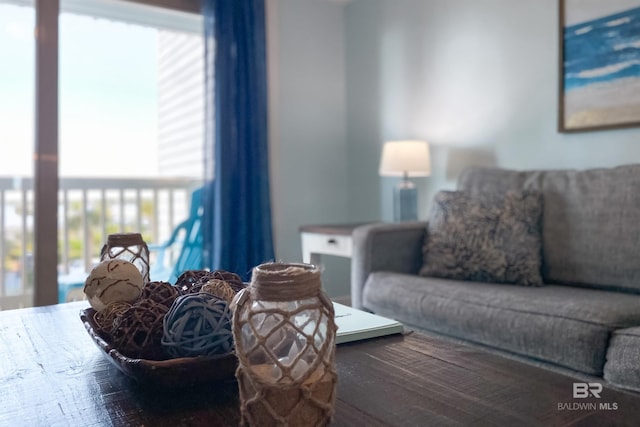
[130, 125]
[131, 85]
[17, 53]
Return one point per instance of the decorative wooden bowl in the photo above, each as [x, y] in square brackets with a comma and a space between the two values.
[168, 373]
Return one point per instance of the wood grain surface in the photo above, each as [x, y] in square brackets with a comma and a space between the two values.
[52, 374]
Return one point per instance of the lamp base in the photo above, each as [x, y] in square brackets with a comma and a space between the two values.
[405, 202]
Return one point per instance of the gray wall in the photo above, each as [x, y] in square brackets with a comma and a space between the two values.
[477, 79]
[309, 180]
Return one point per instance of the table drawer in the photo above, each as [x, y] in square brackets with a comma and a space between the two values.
[330, 244]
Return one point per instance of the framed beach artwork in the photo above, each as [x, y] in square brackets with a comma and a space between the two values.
[599, 64]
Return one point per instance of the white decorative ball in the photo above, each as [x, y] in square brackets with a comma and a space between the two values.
[113, 281]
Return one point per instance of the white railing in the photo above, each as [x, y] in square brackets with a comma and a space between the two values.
[89, 209]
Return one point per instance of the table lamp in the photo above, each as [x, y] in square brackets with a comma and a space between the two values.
[405, 159]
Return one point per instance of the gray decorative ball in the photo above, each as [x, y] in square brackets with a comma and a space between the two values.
[198, 325]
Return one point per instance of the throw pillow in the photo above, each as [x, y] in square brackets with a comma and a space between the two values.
[495, 238]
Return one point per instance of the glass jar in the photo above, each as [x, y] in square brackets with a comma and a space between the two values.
[284, 331]
[128, 247]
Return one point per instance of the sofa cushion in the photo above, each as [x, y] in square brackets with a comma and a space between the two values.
[622, 368]
[559, 324]
[485, 239]
[590, 232]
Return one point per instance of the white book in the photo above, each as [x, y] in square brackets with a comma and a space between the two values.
[354, 325]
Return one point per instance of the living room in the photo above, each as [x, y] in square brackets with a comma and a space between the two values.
[480, 82]
[477, 80]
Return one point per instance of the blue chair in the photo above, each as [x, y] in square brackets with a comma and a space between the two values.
[70, 286]
[187, 235]
[185, 238]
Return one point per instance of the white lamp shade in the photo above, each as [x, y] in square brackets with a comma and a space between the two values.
[410, 158]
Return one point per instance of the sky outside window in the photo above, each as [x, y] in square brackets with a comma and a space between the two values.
[17, 74]
[108, 96]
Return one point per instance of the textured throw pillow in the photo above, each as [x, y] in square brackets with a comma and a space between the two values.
[489, 239]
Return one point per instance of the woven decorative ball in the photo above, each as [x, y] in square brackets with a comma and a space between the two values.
[219, 288]
[137, 333]
[192, 280]
[161, 292]
[105, 318]
[198, 325]
[232, 279]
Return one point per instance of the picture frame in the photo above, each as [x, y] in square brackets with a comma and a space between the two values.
[599, 65]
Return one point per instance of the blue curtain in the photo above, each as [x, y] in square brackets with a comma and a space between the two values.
[237, 211]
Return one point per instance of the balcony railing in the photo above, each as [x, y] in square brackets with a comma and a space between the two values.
[89, 209]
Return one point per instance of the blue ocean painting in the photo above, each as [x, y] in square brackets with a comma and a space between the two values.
[602, 50]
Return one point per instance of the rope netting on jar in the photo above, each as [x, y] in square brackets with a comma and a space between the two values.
[284, 330]
[129, 247]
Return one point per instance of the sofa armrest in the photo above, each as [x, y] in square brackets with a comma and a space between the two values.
[393, 247]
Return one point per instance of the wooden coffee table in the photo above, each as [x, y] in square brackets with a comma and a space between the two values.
[417, 380]
[51, 373]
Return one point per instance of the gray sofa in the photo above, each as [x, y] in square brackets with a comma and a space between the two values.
[586, 317]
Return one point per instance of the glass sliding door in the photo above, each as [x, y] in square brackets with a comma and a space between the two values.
[131, 124]
[17, 124]
[119, 133]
